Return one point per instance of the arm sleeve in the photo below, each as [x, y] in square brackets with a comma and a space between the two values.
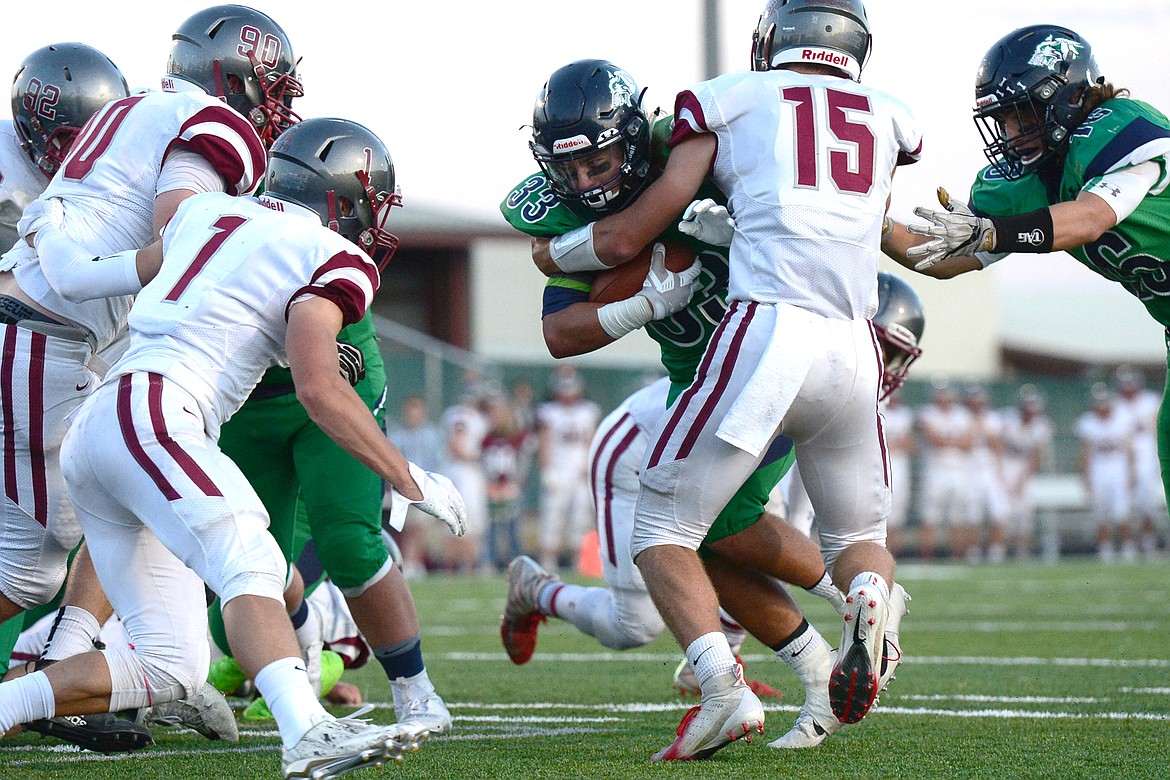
[186, 170]
[77, 275]
[1124, 189]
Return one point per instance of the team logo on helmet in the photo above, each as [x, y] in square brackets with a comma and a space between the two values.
[621, 89]
[1054, 50]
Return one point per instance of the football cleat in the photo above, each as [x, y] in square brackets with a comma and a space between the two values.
[728, 712]
[100, 732]
[522, 616]
[854, 682]
[687, 684]
[816, 721]
[891, 649]
[418, 707]
[336, 746]
[206, 712]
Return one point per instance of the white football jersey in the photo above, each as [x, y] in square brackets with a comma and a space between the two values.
[952, 425]
[214, 318]
[807, 163]
[1108, 438]
[21, 182]
[108, 184]
[1020, 438]
[570, 429]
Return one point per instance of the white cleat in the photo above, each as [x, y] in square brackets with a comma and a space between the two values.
[206, 712]
[891, 649]
[336, 746]
[854, 683]
[419, 709]
[729, 711]
[816, 721]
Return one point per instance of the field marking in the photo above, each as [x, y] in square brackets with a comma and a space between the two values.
[1001, 699]
[925, 660]
[1154, 691]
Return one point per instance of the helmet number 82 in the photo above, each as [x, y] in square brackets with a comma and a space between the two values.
[854, 177]
[251, 40]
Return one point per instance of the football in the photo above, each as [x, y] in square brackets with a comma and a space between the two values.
[625, 280]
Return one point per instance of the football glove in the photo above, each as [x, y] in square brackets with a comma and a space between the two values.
[351, 363]
[708, 222]
[954, 232]
[440, 499]
[668, 291]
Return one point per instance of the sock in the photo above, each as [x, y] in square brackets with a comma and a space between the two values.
[825, 588]
[806, 652]
[74, 631]
[711, 656]
[24, 699]
[285, 687]
[548, 596]
[300, 614]
[871, 578]
[401, 659]
[734, 632]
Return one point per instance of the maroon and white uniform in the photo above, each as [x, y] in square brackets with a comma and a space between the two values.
[141, 460]
[566, 428]
[1142, 409]
[1026, 442]
[807, 163]
[1106, 439]
[129, 152]
[948, 431]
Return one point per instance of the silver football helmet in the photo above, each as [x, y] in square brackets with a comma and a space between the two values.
[899, 323]
[342, 171]
[826, 32]
[55, 91]
[242, 57]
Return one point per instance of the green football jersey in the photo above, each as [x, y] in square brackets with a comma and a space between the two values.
[1135, 252]
[532, 208]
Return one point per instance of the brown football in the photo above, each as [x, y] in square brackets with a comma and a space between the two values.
[625, 280]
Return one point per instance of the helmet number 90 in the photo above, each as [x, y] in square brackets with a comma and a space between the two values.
[266, 46]
[41, 99]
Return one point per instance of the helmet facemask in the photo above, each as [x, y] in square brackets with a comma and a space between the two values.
[47, 146]
[1022, 134]
[364, 223]
[596, 178]
[272, 114]
[900, 349]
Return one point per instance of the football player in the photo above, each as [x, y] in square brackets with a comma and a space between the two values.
[817, 384]
[1106, 460]
[136, 160]
[1149, 501]
[1027, 442]
[543, 205]
[248, 283]
[1076, 164]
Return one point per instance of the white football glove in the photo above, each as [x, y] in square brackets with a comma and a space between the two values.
[351, 363]
[669, 291]
[708, 222]
[955, 232]
[440, 499]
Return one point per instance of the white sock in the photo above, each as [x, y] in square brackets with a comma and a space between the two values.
[874, 579]
[552, 595]
[74, 631]
[285, 688]
[711, 656]
[24, 699]
[808, 656]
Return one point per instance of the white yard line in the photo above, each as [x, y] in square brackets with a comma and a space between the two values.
[926, 660]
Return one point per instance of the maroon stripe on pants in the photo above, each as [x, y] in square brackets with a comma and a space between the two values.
[726, 369]
[6, 362]
[36, 427]
[130, 436]
[618, 451]
[689, 393]
[881, 363]
[603, 501]
[176, 451]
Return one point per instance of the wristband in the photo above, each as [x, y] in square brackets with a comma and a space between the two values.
[622, 317]
[1031, 232]
[573, 251]
[887, 229]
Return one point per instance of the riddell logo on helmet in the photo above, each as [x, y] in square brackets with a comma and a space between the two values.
[825, 56]
[570, 144]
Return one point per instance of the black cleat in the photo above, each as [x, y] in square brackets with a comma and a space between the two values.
[100, 732]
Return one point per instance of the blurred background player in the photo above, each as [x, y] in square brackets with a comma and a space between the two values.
[465, 426]
[420, 441]
[1027, 443]
[564, 427]
[988, 505]
[1106, 464]
[946, 497]
[1149, 500]
[507, 451]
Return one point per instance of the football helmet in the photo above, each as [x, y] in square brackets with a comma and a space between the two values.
[242, 57]
[899, 323]
[343, 172]
[591, 137]
[1031, 92]
[55, 91]
[825, 32]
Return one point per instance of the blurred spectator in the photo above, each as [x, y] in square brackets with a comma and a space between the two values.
[1027, 441]
[1149, 499]
[1106, 464]
[988, 497]
[946, 496]
[505, 450]
[421, 442]
[524, 406]
[465, 427]
[898, 426]
[565, 426]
